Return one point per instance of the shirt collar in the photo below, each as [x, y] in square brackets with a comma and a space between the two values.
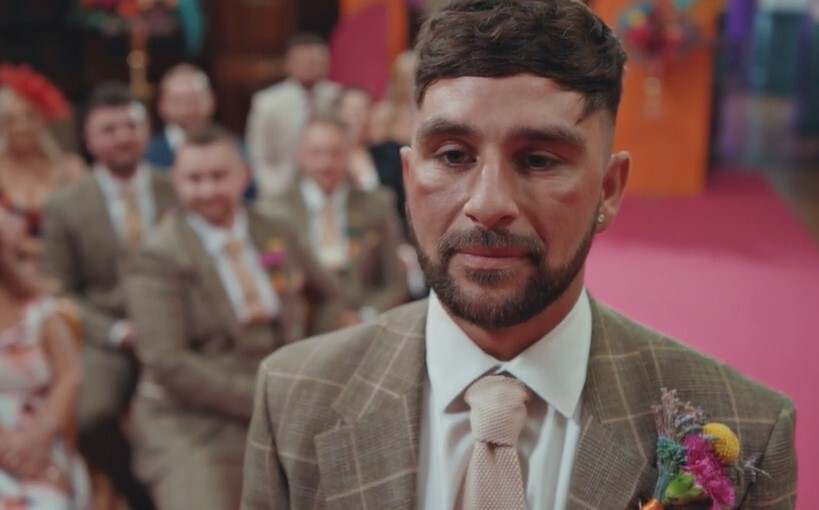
[214, 237]
[111, 184]
[314, 196]
[554, 367]
[175, 136]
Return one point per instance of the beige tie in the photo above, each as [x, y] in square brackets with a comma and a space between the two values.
[250, 292]
[133, 220]
[493, 478]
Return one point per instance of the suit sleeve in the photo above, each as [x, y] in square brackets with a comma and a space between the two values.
[61, 260]
[777, 491]
[392, 288]
[155, 294]
[322, 292]
[264, 486]
[271, 170]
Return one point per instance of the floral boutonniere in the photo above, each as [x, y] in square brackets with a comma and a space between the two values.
[273, 259]
[695, 458]
[355, 232]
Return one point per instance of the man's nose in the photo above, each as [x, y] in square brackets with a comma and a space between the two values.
[493, 196]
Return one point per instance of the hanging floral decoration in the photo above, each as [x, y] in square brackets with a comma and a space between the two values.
[659, 30]
[115, 17]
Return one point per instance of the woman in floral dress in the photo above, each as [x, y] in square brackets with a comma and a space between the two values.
[39, 381]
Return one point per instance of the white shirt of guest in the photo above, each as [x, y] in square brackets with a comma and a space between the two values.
[175, 136]
[111, 187]
[314, 199]
[215, 239]
[554, 369]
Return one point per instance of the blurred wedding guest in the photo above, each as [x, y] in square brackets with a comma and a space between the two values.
[215, 289]
[91, 227]
[32, 165]
[373, 165]
[186, 102]
[391, 116]
[354, 233]
[279, 113]
[39, 382]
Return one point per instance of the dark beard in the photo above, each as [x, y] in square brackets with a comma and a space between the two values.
[540, 291]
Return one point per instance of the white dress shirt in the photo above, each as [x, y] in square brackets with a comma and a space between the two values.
[215, 240]
[175, 136]
[314, 199]
[111, 187]
[554, 368]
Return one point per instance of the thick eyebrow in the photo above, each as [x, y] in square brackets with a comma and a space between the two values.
[548, 134]
[438, 126]
[551, 134]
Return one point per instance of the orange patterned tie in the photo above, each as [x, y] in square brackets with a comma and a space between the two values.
[250, 292]
[493, 478]
[133, 219]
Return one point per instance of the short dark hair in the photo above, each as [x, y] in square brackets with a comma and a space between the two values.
[208, 134]
[304, 39]
[109, 93]
[563, 40]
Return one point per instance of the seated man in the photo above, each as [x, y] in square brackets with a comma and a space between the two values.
[215, 289]
[186, 102]
[354, 233]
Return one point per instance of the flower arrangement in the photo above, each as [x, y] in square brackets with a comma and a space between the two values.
[657, 30]
[36, 89]
[695, 458]
[113, 17]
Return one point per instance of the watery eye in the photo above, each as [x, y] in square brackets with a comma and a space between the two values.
[539, 161]
[454, 157]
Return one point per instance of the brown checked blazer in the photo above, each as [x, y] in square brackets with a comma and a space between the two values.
[337, 419]
[82, 251]
[199, 363]
[376, 277]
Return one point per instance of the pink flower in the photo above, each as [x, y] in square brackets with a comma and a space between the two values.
[708, 471]
[273, 258]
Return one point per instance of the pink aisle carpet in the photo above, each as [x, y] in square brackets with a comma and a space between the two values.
[731, 273]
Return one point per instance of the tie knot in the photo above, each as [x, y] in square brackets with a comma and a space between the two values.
[497, 409]
[233, 247]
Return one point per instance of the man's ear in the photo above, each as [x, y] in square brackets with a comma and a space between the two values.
[614, 187]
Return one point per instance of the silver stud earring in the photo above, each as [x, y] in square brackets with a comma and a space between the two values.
[601, 218]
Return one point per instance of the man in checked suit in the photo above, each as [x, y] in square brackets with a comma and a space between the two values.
[509, 177]
[215, 289]
[354, 233]
[91, 228]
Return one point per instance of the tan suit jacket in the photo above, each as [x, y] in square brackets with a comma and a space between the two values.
[276, 120]
[376, 277]
[337, 418]
[199, 363]
[81, 249]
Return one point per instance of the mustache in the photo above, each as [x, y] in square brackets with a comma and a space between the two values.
[453, 242]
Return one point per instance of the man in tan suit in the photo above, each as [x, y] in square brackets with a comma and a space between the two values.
[354, 233]
[216, 288]
[509, 387]
[90, 228]
[279, 113]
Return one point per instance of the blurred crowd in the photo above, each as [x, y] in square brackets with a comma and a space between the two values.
[140, 289]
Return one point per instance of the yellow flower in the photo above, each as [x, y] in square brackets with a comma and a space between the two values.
[724, 442]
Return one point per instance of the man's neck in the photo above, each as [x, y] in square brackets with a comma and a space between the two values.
[506, 343]
[123, 173]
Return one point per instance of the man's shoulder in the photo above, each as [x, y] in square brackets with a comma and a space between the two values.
[678, 366]
[77, 189]
[335, 356]
[274, 94]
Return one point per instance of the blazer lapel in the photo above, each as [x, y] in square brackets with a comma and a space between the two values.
[371, 458]
[108, 251]
[613, 467]
[210, 278]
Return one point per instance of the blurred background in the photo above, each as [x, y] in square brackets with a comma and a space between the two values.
[717, 241]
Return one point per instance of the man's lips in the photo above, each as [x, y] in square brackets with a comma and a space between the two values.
[490, 258]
